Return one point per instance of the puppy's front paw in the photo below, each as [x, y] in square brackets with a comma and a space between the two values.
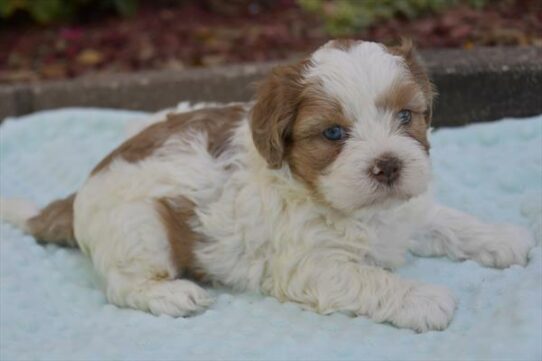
[176, 298]
[425, 308]
[506, 245]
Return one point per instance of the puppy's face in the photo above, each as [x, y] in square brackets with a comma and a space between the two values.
[351, 123]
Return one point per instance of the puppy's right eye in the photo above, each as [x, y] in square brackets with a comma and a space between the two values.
[404, 116]
[334, 133]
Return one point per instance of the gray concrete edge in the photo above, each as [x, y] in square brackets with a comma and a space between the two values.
[474, 85]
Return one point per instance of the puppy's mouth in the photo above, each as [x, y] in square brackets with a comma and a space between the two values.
[377, 188]
[386, 194]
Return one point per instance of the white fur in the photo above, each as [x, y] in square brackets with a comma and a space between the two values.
[264, 231]
[460, 236]
[116, 223]
[356, 79]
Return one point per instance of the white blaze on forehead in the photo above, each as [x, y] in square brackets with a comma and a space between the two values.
[356, 76]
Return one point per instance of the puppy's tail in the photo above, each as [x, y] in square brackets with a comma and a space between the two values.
[52, 224]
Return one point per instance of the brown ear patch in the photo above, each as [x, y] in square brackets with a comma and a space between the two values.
[275, 110]
[217, 122]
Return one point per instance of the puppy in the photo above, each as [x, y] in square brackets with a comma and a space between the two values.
[311, 194]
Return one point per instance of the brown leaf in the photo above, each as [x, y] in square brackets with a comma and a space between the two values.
[17, 76]
[55, 70]
[90, 57]
[212, 60]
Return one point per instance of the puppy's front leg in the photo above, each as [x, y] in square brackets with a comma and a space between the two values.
[451, 233]
[327, 284]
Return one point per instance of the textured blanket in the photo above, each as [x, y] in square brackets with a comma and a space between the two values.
[51, 307]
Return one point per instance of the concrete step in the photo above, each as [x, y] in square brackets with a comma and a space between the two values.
[480, 84]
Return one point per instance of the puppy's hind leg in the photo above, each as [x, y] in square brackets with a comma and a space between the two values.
[173, 297]
[138, 261]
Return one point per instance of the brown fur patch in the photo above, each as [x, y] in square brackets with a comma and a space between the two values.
[275, 110]
[421, 118]
[309, 152]
[175, 214]
[54, 223]
[419, 74]
[217, 122]
[404, 95]
[417, 129]
[288, 121]
[408, 95]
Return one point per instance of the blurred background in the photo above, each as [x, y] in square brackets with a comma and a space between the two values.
[59, 39]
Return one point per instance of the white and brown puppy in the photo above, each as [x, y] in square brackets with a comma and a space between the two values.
[311, 194]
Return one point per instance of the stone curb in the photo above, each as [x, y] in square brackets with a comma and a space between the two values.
[474, 85]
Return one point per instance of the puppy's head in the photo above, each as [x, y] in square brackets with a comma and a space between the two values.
[350, 122]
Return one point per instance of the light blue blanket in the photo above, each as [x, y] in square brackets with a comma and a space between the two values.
[52, 309]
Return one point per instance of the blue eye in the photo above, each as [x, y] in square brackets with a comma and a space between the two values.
[404, 116]
[334, 133]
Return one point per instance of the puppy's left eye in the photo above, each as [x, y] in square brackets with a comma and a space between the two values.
[404, 116]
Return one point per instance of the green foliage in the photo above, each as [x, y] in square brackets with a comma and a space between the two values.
[47, 11]
[124, 7]
[344, 17]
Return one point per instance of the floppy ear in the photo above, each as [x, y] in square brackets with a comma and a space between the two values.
[274, 112]
[416, 67]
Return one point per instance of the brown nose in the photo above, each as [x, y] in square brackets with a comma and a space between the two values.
[386, 169]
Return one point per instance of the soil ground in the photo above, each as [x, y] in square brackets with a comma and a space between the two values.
[192, 35]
